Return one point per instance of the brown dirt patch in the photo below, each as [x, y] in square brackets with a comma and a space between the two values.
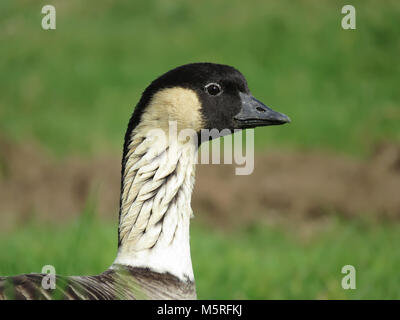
[299, 186]
[285, 186]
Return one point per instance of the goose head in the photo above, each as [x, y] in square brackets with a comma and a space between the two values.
[203, 96]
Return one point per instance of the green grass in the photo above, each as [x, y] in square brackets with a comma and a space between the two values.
[258, 262]
[74, 88]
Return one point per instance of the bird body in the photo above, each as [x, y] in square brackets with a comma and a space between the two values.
[116, 283]
[157, 179]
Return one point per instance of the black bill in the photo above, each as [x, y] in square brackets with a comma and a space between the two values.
[256, 114]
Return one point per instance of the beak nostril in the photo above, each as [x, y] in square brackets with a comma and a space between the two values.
[260, 109]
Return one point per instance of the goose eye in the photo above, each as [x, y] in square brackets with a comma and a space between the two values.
[213, 89]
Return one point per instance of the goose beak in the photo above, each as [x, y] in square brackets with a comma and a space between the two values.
[256, 114]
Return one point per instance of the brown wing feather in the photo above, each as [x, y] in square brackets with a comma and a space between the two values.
[120, 283]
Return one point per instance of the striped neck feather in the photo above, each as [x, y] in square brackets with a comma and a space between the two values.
[155, 210]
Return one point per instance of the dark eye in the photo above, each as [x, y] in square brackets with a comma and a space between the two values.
[213, 89]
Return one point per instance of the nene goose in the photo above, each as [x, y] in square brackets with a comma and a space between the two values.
[153, 259]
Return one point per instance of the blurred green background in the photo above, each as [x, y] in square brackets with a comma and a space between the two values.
[72, 90]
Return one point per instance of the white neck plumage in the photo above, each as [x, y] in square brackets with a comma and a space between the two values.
[155, 208]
